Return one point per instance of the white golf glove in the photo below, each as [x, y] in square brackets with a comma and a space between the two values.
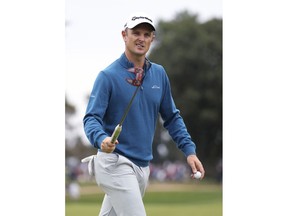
[90, 160]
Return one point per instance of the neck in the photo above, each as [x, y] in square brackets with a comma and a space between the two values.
[138, 61]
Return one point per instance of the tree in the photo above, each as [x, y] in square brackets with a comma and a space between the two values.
[74, 146]
[191, 53]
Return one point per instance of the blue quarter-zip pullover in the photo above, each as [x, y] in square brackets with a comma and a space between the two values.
[109, 98]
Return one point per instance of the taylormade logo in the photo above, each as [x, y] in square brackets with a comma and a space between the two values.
[140, 17]
[134, 19]
[155, 87]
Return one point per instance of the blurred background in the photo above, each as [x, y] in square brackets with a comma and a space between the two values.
[255, 110]
[189, 45]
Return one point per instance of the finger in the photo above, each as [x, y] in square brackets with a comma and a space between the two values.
[193, 167]
[192, 159]
[109, 147]
[105, 147]
[201, 170]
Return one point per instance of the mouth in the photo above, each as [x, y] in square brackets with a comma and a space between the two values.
[139, 45]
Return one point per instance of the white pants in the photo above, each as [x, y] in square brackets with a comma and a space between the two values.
[124, 184]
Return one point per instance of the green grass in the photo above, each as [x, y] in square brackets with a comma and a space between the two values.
[202, 200]
[183, 203]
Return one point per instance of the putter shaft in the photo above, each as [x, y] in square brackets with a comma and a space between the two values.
[118, 128]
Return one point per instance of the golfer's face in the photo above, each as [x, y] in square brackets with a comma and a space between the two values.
[138, 39]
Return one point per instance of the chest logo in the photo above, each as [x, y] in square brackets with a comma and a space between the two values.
[155, 87]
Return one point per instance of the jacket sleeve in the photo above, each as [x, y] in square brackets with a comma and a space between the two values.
[174, 123]
[95, 111]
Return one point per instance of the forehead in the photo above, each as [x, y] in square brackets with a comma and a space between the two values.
[143, 26]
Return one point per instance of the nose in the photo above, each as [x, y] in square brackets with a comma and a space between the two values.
[141, 37]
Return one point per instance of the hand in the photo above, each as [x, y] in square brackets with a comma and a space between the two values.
[107, 146]
[195, 165]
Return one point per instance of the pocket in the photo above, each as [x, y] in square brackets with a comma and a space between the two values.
[111, 158]
[108, 160]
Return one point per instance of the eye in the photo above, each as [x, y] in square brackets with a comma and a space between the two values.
[136, 33]
[147, 35]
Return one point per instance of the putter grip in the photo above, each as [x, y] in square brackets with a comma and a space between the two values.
[116, 133]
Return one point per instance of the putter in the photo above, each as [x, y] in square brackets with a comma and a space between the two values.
[135, 82]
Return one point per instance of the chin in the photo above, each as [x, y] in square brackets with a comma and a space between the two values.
[140, 52]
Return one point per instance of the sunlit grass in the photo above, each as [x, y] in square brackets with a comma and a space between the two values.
[200, 200]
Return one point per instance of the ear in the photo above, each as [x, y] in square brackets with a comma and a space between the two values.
[153, 36]
[124, 34]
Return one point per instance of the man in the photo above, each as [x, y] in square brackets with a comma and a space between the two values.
[122, 168]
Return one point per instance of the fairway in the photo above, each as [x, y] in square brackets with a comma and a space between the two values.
[160, 199]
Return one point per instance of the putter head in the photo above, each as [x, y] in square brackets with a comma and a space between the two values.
[137, 81]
